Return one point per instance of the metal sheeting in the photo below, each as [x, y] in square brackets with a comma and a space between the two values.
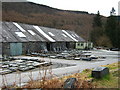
[19, 32]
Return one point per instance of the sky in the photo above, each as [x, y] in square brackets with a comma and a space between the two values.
[91, 6]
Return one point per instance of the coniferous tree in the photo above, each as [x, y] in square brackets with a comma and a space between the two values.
[97, 20]
[97, 31]
[112, 29]
[112, 12]
[117, 34]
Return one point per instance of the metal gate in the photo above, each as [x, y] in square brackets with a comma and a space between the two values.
[15, 49]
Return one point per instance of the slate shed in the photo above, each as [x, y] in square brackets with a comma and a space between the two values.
[20, 39]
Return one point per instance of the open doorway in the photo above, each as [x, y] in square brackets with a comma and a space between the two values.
[67, 45]
[48, 46]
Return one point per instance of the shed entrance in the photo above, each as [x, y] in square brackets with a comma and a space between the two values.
[15, 49]
[48, 46]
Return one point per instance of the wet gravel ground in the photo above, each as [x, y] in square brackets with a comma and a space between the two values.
[62, 66]
[53, 66]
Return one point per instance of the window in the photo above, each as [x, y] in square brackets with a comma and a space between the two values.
[64, 35]
[78, 44]
[31, 32]
[18, 26]
[81, 44]
[73, 35]
[69, 35]
[51, 34]
[44, 34]
[76, 35]
[20, 34]
[89, 44]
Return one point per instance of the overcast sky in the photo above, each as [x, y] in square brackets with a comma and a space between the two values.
[92, 6]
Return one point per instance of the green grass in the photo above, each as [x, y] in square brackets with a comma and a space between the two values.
[112, 66]
[108, 81]
[111, 80]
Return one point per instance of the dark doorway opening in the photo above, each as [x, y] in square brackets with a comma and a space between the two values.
[67, 45]
[48, 46]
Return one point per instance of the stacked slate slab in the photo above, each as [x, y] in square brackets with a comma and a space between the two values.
[70, 83]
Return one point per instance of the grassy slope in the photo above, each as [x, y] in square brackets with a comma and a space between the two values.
[111, 80]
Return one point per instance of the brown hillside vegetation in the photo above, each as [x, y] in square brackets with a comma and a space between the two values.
[31, 13]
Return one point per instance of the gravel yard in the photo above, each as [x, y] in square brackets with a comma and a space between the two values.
[59, 67]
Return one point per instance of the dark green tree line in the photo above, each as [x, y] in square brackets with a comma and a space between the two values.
[112, 29]
[106, 34]
[97, 20]
[98, 35]
[97, 31]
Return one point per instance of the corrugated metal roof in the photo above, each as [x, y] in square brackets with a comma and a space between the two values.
[19, 32]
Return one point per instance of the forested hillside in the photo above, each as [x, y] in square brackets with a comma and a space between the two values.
[79, 21]
[31, 13]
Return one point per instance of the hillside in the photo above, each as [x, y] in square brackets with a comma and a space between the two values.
[31, 13]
